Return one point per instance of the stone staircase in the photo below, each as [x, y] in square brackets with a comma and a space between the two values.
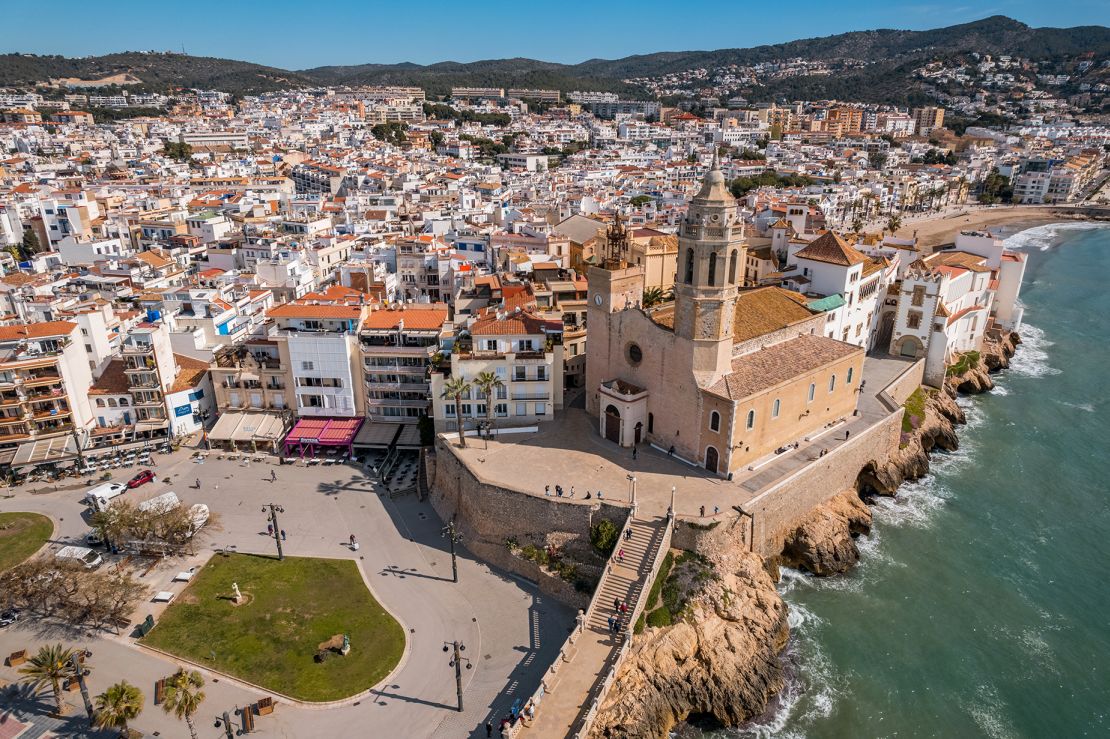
[579, 675]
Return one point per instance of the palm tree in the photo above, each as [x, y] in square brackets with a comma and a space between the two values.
[49, 667]
[455, 388]
[487, 382]
[893, 223]
[117, 705]
[653, 296]
[183, 696]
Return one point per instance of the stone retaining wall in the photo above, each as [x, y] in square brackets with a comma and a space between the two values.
[487, 515]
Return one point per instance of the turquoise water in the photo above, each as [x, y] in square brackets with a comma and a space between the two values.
[982, 604]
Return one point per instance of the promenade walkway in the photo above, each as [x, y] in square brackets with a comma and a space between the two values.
[581, 677]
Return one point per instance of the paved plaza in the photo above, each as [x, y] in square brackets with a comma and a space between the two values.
[511, 632]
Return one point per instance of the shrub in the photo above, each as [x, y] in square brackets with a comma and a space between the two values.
[603, 536]
[639, 627]
[657, 586]
[659, 617]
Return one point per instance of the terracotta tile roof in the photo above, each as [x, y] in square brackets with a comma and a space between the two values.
[764, 369]
[830, 248]
[36, 330]
[191, 374]
[296, 310]
[113, 381]
[415, 317]
[153, 259]
[760, 311]
[513, 324]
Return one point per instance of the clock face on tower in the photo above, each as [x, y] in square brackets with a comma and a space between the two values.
[598, 299]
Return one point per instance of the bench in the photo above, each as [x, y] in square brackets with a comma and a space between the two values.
[159, 691]
[17, 658]
[265, 706]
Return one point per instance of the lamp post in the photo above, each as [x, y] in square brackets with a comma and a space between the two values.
[456, 662]
[453, 536]
[79, 673]
[274, 509]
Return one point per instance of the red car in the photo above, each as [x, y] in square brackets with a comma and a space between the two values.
[141, 479]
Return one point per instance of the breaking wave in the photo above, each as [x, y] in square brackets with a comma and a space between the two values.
[1031, 358]
[1047, 237]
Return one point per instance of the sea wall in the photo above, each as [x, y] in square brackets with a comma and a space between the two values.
[487, 515]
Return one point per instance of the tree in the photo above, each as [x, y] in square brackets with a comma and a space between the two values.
[177, 150]
[876, 159]
[653, 296]
[893, 223]
[640, 200]
[50, 665]
[117, 705]
[487, 382]
[183, 697]
[392, 132]
[46, 588]
[30, 244]
[455, 388]
[857, 223]
[436, 138]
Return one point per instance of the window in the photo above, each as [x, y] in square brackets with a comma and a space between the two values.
[635, 354]
[732, 266]
[751, 420]
[689, 267]
[123, 402]
[520, 373]
[541, 409]
[466, 410]
[775, 408]
[832, 383]
[501, 410]
[308, 366]
[848, 379]
[712, 269]
[918, 298]
[913, 320]
[714, 421]
[812, 390]
[541, 373]
[521, 409]
[448, 411]
[651, 423]
[490, 345]
[100, 402]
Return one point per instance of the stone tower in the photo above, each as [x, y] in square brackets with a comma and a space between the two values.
[711, 257]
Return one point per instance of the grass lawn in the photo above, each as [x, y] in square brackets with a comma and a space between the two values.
[271, 639]
[21, 535]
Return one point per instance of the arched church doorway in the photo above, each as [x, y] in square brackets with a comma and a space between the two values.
[639, 432]
[711, 459]
[613, 424]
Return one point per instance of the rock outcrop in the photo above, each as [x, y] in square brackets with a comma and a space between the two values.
[911, 460]
[824, 542]
[722, 660]
[997, 350]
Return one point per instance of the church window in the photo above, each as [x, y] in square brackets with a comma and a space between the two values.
[651, 423]
[832, 383]
[776, 408]
[913, 319]
[918, 295]
[751, 420]
[689, 267]
[635, 354]
[712, 269]
[812, 390]
[732, 267]
[848, 379]
[714, 421]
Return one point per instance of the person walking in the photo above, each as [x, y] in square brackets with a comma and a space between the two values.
[847, 433]
[634, 451]
[624, 608]
[269, 529]
[616, 604]
[702, 510]
[283, 534]
[489, 729]
[572, 491]
[716, 510]
[198, 484]
[620, 555]
[611, 620]
[273, 476]
[546, 491]
[352, 540]
[628, 535]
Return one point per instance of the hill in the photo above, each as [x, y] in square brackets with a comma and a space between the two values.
[156, 72]
[879, 69]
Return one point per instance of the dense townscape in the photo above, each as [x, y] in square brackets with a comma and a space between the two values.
[696, 306]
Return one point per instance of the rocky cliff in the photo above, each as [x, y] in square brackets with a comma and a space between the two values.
[937, 429]
[971, 373]
[824, 543]
[721, 660]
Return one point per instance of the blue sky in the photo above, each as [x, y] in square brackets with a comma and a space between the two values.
[296, 34]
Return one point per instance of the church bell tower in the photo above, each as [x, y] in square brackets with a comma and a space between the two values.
[711, 257]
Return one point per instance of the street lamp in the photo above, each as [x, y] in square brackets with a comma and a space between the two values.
[274, 509]
[456, 662]
[80, 671]
[453, 536]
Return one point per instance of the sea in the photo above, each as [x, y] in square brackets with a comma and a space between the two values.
[981, 606]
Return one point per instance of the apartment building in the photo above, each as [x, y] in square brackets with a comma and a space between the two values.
[398, 346]
[926, 119]
[44, 382]
[317, 342]
[525, 352]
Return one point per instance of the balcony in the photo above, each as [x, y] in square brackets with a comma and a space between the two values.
[392, 403]
[532, 396]
[41, 380]
[410, 387]
[50, 413]
[138, 350]
[398, 351]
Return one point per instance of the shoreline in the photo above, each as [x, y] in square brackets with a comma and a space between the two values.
[942, 229]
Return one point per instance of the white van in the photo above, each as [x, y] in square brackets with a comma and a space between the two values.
[102, 495]
[161, 503]
[87, 557]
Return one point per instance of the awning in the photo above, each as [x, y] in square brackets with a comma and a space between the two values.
[244, 426]
[376, 435]
[410, 436]
[45, 451]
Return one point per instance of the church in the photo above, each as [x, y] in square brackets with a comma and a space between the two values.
[722, 376]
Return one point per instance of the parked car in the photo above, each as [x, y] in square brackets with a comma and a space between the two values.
[94, 539]
[7, 618]
[141, 479]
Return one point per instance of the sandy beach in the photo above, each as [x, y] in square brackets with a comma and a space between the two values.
[942, 229]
